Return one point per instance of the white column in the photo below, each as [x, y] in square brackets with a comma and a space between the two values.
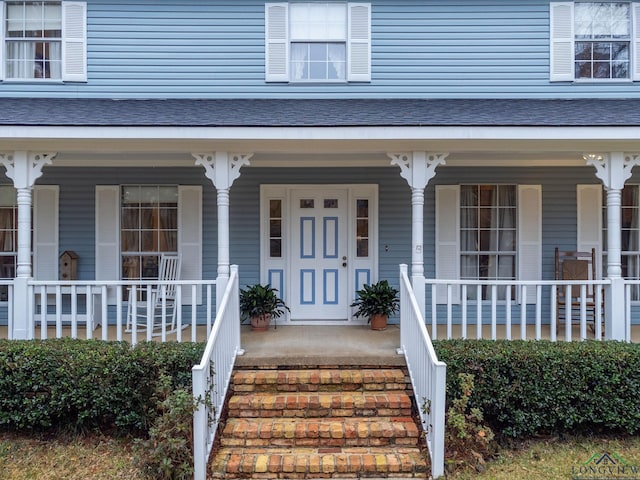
[222, 168]
[24, 168]
[614, 169]
[417, 168]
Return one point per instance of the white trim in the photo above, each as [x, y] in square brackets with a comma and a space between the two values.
[30, 133]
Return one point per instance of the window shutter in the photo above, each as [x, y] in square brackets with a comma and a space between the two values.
[190, 236]
[589, 211]
[277, 42]
[45, 232]
[530, 236]
[359, 42]
[561, 68]
[108, 235]
[74, 41]
[2, 49]
[447, 239]
[636, 40]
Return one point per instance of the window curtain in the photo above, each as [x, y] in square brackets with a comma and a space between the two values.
[299, 54]
[337, 60]
[25, 60]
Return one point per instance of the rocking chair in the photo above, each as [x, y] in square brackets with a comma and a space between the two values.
[576, 266]
[161, 305]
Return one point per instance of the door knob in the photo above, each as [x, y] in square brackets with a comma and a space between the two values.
[344, 261]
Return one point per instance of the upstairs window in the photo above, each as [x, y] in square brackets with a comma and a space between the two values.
[44, 40]
[593, 41]
[318, 42]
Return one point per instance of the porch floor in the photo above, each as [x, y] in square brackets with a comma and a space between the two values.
[325, 345]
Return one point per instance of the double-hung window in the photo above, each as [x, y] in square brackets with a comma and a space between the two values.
[488, 232]
[594, 41]
[488, 218]
[44, 40]
[318, 42]
[149, 228]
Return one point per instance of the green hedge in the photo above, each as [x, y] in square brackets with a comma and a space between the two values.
[88, 384]
[527, 388]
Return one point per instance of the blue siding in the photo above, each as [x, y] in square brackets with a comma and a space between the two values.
[420, 49]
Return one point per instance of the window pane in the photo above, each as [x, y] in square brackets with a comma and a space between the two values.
[362, 207]
[130, 241]
[275, 208]
[275, 247]
[275, 228]
[362, 248]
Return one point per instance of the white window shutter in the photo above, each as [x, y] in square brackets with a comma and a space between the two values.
[447, 239]
[74, 41]
[359, 42]
[45, 232]
[108, 235]
[2, 33]
[561, 65]
[530, 236]
[190, 236]
[276, 42]
[589, 212]
[636, 40]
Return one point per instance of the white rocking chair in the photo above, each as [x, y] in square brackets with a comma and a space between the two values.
[160, 305]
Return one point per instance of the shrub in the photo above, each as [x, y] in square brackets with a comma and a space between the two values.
[87, 384]
[168, 452]
[525, 388]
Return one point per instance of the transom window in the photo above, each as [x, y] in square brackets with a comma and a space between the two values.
[149, 228]
[33, 40]
[602, 40]
[318, 41]
[488, 216]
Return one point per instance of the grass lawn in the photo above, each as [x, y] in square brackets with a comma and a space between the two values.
[72, 458]
[98, 457]
[552, 458]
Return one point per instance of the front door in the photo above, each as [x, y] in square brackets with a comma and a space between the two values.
[319, 254]
[317, 248]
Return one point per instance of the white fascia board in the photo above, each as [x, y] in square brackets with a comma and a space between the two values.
[319, 133]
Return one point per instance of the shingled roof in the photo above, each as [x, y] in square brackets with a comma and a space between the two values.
[318, 112]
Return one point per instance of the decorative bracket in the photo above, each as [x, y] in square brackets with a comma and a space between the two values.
[222, 168]
[24, 168]
[417, 168]
[613, 169]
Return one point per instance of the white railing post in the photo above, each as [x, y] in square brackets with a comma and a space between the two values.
[427, 373]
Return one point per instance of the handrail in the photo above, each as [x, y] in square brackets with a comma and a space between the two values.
[427, 373]
[220, 353]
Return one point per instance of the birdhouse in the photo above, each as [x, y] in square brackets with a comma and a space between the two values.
[69, 265]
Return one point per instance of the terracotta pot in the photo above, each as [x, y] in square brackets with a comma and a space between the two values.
[378, 322]
[261, 323]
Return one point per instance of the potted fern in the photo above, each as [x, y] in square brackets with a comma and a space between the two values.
[376, 302]
[260, 303]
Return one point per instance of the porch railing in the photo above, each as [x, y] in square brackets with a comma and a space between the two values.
[223, 345]
[520, 308]
[68, 306]
[428, 374]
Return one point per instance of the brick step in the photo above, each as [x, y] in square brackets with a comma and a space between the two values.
[315, 432]
[312, 380]
[312, 404]
[319, 463]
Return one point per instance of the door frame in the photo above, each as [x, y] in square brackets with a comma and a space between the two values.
[276, 271]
